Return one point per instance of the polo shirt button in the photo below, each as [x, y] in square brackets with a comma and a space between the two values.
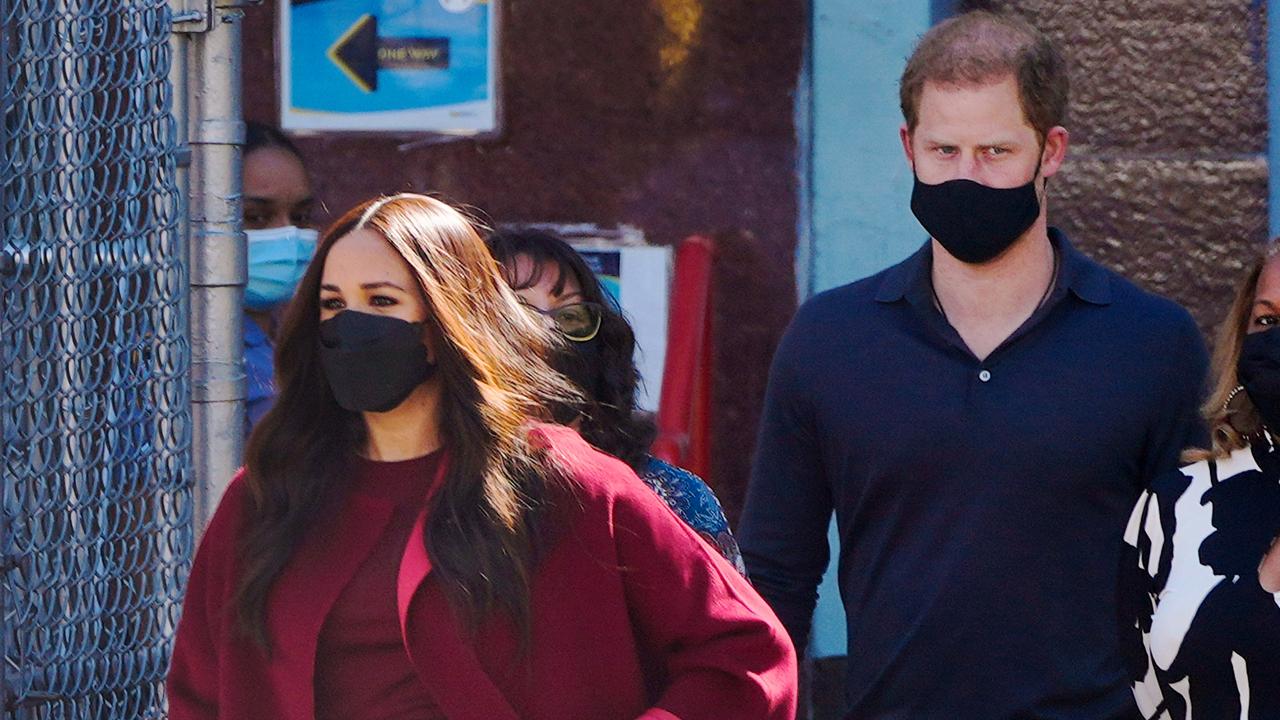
[985, 375]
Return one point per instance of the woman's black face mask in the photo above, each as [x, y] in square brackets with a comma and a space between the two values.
[372, 362]
[1259, 372]
[580, 362]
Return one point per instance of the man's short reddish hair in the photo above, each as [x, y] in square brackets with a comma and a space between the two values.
[980, 47]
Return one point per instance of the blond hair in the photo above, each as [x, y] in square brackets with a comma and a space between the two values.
[1231, 416]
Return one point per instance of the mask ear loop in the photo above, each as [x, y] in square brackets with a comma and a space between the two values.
[1040, 166]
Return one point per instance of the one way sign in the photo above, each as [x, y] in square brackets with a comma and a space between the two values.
[360, 53]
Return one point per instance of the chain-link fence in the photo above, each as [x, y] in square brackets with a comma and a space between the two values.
[94, 397]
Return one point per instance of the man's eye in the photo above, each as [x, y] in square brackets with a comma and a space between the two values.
[997, 151]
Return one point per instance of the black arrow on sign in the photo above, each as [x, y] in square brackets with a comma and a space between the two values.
[360, 53]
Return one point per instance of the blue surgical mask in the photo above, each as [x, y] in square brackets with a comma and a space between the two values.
[278, 257]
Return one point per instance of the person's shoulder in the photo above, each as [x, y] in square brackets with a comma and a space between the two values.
[592, 474]
[233, 507]
[843, 301]
[1206, 473]
[1151, 304]
[848, 310]
[237, 496]
[1154, 310]
[682, 487]
[658, 468]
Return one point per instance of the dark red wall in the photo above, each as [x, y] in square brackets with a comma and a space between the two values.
[610, 118]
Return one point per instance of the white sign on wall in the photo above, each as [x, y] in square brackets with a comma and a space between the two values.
[639, 279]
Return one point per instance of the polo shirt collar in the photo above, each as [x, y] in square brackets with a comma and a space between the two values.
[1076, 273]
[1085, 278]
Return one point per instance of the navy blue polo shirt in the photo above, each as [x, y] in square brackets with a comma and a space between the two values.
[980, 504]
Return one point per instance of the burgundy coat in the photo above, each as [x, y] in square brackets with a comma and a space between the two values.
[633, 616]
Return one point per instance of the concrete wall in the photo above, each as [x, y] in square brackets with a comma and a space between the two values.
[1166, 179]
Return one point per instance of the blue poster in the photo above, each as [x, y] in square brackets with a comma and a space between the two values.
[392, 65]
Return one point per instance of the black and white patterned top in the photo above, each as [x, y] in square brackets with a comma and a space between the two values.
[1203, 635]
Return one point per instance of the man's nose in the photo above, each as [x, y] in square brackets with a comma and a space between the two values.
[967, 168]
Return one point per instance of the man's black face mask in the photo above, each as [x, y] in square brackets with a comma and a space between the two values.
[974, 222]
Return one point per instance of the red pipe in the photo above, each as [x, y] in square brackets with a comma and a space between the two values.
[684, 407]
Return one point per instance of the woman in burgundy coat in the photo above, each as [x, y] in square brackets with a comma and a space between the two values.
[407, 541]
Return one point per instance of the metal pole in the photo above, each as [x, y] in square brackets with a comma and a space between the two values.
[218, 257]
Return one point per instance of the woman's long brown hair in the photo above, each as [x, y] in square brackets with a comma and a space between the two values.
[484, 525]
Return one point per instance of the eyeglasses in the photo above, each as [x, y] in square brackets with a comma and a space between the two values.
[578, 322]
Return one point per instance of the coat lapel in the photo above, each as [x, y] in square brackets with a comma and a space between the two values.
[445, 661]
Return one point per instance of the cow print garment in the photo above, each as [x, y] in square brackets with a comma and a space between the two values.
[1202, 635]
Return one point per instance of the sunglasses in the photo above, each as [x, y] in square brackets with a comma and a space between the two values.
[578, 322]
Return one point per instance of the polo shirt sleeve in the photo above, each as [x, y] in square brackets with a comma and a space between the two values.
[1178, 425]
[723, 652]
[783, 528]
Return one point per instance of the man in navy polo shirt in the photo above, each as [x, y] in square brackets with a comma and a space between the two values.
[981, 418]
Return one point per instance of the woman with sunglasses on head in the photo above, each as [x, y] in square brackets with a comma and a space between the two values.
[554, 281]
[407, 540]
[1203, 622]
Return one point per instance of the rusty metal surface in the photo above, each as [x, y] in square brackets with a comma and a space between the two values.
[672, 115]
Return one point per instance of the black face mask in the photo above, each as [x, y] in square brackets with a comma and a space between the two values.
[1259, 372]
[580, 362]
[372, 362]
[975, 223]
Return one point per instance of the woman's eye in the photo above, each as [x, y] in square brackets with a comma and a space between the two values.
[331, 303]
[1267, 320]
[382, 301]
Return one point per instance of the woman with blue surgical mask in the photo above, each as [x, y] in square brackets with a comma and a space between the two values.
[277, 218]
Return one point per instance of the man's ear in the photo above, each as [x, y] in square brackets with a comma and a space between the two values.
[1055, 150]
[904, 135]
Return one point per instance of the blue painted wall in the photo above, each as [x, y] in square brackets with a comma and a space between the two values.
[858, 183]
